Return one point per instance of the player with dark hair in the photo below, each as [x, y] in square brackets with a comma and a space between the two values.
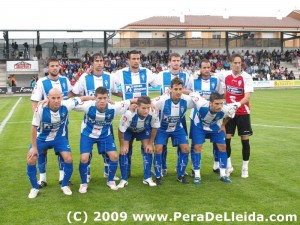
[134, 81]
[173, 107]
[207, 122]
[87, 85]
[141, 125]
[40, 92]
[239, 86]
[95, 129]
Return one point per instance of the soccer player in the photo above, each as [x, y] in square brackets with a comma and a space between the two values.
[207, 122]
[164, 79]
[87, 85]
[205, 84]
[141, 125]
[95, 128]
[173, 107]
[48, 131]
[40, 92]
[134, 81]
[239, 86]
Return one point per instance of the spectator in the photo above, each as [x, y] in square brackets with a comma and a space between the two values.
[33, 81]
[9, 82]
[38, 50]
[13, 80]
[75, 49]
[64, 50]
[291, 75]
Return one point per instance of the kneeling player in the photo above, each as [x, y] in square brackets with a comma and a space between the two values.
[142, 125]
[207, 123]
[96, 129]
[49, 131]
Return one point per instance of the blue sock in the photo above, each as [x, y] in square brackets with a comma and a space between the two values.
[31, 172]
[183, 161]
[113, 165]
[106, 162]
[129, 155]
[123, 166]
[42, 162]
[178, 158]
[215, 152]
[157, 164]
[89, 163]
[147, 161]
[83, 171]
[164, 157]
[222, 159]
[192, 157]
[196, 160]
[68, 170]
[60, 161]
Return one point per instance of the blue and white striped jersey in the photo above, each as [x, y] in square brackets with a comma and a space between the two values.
[206, 86]
[172, 112]
[88, 83]
[135, 85]
[44, 85]
[52, 124]
[207, 120]
[132, 121]
[165, 77]
[96, 124]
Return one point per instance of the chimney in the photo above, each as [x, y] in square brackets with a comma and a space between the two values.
[279, 15]
[181, 18]
[225, 15]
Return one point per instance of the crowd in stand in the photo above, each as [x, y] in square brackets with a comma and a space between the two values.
[262, 65]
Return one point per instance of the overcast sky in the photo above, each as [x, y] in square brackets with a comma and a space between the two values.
[114, 14]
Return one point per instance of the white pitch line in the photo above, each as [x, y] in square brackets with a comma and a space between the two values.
[2, 125]
[263, 125]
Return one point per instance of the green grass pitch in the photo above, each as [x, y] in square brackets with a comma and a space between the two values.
[273, 186]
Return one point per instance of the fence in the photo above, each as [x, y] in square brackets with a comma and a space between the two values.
[145, 44]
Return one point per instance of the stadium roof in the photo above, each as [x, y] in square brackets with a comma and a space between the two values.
[217, 22]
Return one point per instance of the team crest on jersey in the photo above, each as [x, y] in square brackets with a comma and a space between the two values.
[143, 77]
[63, 114]
[64, 85]
[108, 116]
[239, 82]
[125, 119]
[213, 85]
[182, 109]
[106, 83]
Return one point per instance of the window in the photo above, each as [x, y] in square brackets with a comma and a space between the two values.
[216, 35]
[196, 34]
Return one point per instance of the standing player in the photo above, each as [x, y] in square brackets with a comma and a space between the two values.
[40, 92]
[134, 81]
[142, 125]
[49, 131]
[207, 123]
[164, 79]
[95, 128]
[239, 86]
[205, 85]
[88, 83]
[173, 107]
